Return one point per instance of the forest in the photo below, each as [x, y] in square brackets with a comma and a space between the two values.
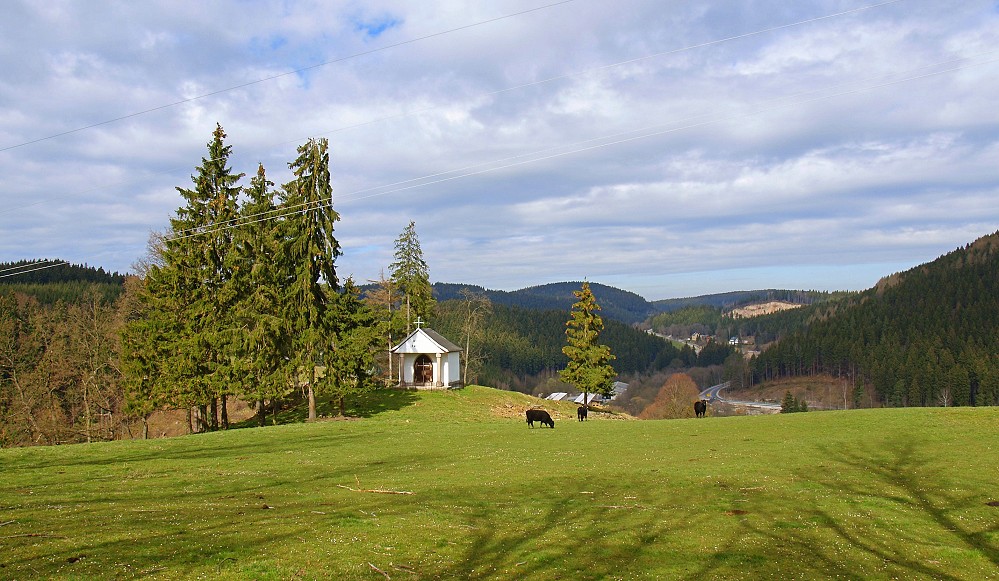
[240, 298]
[924, 337]
[519, 348]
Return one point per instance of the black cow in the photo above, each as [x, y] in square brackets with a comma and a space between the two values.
[700, 407]
[581, 412]
[539, 416]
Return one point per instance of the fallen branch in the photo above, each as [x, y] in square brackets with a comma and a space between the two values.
[379, 571]
[34, 535]
[3, 524]
[375, 490]
[404, 568]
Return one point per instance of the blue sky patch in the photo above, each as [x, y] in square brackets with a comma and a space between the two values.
[374, 27]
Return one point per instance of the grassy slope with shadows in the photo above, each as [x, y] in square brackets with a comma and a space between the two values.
[900, 493]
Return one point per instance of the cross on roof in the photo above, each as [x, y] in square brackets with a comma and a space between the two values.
[418, 322]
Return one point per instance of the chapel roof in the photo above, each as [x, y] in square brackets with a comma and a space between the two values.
[445, 345]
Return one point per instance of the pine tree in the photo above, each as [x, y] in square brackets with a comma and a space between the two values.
[589, 368]
[185, 290]
[412, 277]
[312, 251]
[356, 336]
[790, 404]
[262, 339]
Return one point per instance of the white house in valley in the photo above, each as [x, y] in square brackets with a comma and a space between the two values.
[427, 360]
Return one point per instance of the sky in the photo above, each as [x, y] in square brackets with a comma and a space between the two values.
[671, 149]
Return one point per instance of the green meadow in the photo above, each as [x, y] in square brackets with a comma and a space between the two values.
[454, 485]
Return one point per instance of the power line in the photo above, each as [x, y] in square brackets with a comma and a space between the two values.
[507, 89]
[617, 139]
[285, 74]
[29, 270]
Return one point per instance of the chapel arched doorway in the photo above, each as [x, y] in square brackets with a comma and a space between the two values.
[423, 370]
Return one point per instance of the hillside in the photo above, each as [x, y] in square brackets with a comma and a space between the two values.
[442, 486]
[65, 282]
[522, 347]
[621, 305]
[921, 337]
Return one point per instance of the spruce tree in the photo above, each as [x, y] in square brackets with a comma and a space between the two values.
[790, 404]
[412, 277]
[185, 289]
[589, 368]
[350, 363]
[262, 339]
[312, 251]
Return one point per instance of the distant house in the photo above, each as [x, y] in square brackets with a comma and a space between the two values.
[591, 398]
[618, 388]
[557, 396]
[427, 360]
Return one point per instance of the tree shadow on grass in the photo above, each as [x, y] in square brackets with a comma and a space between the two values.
[295, 410]
[897, 492]
[379, 401]
[221, 523]
[568, 538]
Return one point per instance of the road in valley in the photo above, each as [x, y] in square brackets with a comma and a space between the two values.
[713, 394]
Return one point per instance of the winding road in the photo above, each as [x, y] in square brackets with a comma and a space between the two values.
[713, 394]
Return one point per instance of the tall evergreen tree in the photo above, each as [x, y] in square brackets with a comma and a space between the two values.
[262, 339]
[312, 251]
[356, 336]
[187, 287]
[412, 277]
[589, 368]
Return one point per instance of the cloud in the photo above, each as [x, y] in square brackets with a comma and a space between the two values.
[813, 154]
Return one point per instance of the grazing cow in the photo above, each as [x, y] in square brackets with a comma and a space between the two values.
[581, 412]
[700, 407]
[539, 416]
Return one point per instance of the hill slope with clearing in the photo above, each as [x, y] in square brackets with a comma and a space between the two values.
[455, 485]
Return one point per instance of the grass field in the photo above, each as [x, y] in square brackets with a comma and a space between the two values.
[454, 485]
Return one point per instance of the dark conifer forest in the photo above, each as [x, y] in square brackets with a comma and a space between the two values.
[924, 337]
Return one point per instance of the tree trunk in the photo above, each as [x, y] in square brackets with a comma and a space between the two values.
[214, 414]
[312, 392]
[202, 418]
[261, 413]
[190, 420]
[145, 428]
[225, 412]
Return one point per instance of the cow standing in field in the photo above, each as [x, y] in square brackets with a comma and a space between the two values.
[581, 412]
[539, 416]
[700, 407]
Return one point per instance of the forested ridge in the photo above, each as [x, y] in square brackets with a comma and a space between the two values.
[922, 337]
[50, 281]
[520, 343]
[620, 305]
[256, 311]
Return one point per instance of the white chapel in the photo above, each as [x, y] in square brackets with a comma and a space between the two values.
[427, 360]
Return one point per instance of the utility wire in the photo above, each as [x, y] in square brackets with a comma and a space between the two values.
[618, 139]
[285, 74]
[31, 270]
[521, 86]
